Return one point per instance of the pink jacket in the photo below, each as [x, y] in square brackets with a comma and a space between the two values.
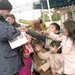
[26, 70]
[68, 52]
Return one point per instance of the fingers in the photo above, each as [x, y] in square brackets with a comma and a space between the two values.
[22, 29]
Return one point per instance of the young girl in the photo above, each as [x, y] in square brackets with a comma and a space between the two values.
[27, 60]
[54, 56]
[68, 45]
[26, 57]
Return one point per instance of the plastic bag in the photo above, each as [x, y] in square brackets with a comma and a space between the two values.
[28, 49]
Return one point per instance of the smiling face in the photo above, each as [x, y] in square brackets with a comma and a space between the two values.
[52, 28]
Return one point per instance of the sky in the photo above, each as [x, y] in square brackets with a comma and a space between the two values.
[18, 2]
[25, 10]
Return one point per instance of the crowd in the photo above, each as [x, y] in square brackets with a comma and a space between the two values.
[47, 52]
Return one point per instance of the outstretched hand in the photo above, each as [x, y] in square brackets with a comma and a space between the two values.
[22, 29]
[44, 32]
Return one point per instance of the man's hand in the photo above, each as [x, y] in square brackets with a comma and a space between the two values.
[22, 29]
[44, 32]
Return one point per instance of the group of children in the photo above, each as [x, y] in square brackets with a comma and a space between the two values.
[59, 60]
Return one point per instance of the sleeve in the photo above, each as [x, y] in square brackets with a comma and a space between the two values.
[8, 32]
[45, 66]
[43, 55]
[61, 70]
[36, 35]
[55, 37]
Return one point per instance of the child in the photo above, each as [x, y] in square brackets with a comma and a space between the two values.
[68, 45]
[54, 56]
[54, 26]
[26, 57]
[27, 60]
[40, 62]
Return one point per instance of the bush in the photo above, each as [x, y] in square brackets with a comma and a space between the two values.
[56, 16]
[44, 17]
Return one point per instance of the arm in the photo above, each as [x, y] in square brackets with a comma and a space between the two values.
[61, 70]
[36, 35]
[43, 55]
[55, 36]
[8, 32]
[45, 66]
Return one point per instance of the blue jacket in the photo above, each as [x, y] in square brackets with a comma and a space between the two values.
[10, 61]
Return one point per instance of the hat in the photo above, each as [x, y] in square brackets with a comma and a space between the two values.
[5, 5]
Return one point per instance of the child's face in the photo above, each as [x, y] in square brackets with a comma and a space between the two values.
[53, 49]
[25, 55]
[52, 28]
[65, 31]
[37, 48]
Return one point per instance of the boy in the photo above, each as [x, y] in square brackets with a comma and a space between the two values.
[40, 62]
[54, 26]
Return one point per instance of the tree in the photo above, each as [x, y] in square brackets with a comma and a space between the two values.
[44, 17]
[56, 16]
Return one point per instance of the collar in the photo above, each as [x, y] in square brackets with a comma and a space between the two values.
[2, 18]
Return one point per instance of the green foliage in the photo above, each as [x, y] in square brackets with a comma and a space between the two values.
[56, 16]
[44, 17]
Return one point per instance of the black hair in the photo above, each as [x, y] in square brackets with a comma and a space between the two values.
[11, 16]
[57, 44]
[41, 21]
[57, 26]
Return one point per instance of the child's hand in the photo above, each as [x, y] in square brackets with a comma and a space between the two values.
[60, 35]
[38, 69]
[35, 66]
